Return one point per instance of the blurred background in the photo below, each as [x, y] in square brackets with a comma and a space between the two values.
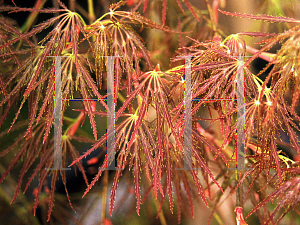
[162, 48]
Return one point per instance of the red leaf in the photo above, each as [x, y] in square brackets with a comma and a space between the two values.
[239, 216]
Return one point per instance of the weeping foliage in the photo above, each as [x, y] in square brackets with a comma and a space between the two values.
[150, 121]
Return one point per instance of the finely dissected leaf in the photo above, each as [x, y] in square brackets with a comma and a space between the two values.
[74, 155]
[18, 9]
[145, 5]
[289, 189]
[148, 145]
[164, 11]
[275, 19]
[42, 178]
[51, 201]
[178, 195]
[100, 171]
[257, 34]
[67, 19]
[12, 164]
[164, 8]
[29, 161]
[2, 86]
[188, 192]
[149, 130]
[142, 112]
[137, 172]
[33, 111]
[114, 188]
[296, 95]
[191, 9]
[32, 32]
[169, 177]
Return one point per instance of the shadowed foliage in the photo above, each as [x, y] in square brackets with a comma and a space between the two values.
[150, 106]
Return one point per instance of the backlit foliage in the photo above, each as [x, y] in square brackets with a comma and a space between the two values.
[149, 131]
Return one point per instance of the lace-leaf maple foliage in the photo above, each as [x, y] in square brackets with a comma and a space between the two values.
[149, 131]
